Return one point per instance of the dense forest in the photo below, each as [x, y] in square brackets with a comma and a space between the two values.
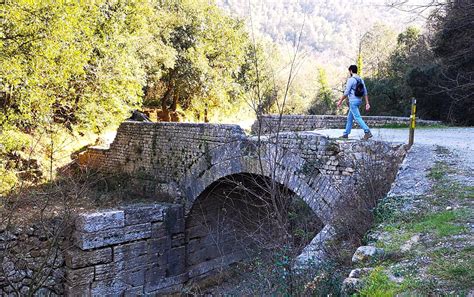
[71, 70]
[400, 47]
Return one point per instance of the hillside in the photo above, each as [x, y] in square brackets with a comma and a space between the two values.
[332, 29]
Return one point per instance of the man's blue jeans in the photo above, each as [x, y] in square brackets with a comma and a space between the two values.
[354, 114]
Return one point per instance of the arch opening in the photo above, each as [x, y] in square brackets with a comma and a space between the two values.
[241, 216]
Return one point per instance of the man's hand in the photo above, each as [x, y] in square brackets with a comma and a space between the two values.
[367, 107]
[339, 103]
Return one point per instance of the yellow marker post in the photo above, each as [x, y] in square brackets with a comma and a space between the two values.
[411, 136]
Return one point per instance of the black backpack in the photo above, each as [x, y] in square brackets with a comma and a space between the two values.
[359, 89]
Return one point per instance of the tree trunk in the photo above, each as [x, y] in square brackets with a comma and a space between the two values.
[165, 114]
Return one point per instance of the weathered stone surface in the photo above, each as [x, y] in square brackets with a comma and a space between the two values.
[133, 292]
[177, 240]
[76, 258]
[366, 254]
[80, 276]
[315, 252]
[87, 241]
[159, 246]
[77, 290]
[351, 286]
[112, 287]
[409, 244]
[158, 230]
[205, 267]
[112, 270]
[129, 251]
[99, 221]
[176, 261]
[155, 284]
[360, 272]
[138, 214]
[28, 254]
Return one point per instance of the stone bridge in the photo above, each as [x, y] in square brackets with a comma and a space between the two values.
[157, 247]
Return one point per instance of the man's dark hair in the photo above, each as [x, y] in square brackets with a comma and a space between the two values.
[353, 68]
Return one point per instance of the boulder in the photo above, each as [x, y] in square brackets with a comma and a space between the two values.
[360, 272]
[367, 254]
[351, 286]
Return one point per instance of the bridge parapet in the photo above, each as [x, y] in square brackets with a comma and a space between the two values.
[272, 123]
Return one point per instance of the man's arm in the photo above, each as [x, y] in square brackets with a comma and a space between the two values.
[367, 105]
[366, 96]
[346, 93]
[339, 103]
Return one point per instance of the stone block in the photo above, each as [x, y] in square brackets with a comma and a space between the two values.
[77, 290]
[175, 212]
[108, 271]
[76, 258]
[98, 221]
[87, 241]
[111, 270]
[159, 246]
[154, 274]
[204, 268]
[367, 254]
[152, 285]
[174, 226]
[158, 230]
[176, 261]
[112, 287]
[138, 214]
[129, 251]
[177, 240]
[133, 292]
[80, 276]
[134, 278]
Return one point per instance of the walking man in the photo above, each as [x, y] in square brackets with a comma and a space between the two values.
[355, 89]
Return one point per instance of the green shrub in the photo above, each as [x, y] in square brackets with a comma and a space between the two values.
[8, 180]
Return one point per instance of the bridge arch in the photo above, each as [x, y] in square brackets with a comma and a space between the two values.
[236, 217]
[289, 171]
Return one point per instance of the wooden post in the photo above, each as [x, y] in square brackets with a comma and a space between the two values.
[206, 120]
[411, 137]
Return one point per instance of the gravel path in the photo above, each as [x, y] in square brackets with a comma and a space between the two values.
[458, 140]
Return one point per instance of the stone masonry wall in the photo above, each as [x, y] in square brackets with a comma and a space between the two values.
[29, 258]
[159, 154]
[132, 251]
[312, 122]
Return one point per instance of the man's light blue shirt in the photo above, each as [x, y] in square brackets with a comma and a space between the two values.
[351, 86]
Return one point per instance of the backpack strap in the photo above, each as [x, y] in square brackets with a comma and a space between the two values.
[358, 81]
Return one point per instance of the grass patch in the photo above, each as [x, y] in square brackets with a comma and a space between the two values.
[395, 126]
[440, 170]
[450, 190]
[378, 284]
[433, 126]
[441, 223]
[397, 239]
[455, 266]
[389, 211]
